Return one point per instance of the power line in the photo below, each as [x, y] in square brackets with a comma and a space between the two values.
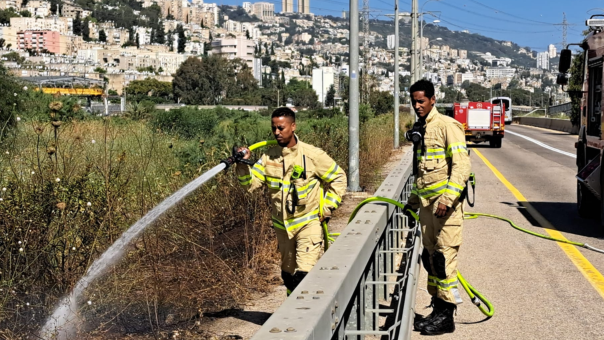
[480, 29]
[482, 15]
[511, 15]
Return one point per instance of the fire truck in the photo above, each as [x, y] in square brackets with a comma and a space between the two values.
[590, 144]
[482, 121]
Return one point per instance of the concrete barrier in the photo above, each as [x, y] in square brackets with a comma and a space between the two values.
[548, 123]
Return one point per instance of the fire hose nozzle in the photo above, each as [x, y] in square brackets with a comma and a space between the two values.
[236, 157]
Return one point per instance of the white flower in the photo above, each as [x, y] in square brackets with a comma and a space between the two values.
[73, 248]
[7, 152]
[88, 204]
[1, 199]
[93, 141]
[20, 249]
[33, 172]
[3, 189]
[58, 180]
[19, 242]
[27, 304]
[89, 302]
[18, 119]
[15, 94]
[24, 88]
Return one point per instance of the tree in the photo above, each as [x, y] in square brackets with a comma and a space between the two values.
[575, 86]
[137, 40]
[305, 97]
[2, 42]
[381, 101]
[14, 57]
[207, 46]
[247, 35]
[86, 30]
[202, 25]
[272, 49]
[477, 93]
[160, 34]
[182, 40]
[102, 36]
[330, 97]
[212, 80]
[77, 24]
[452, 95]
[150, 87]
[11, 104]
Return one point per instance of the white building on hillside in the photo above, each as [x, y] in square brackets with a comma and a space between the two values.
[322, 79]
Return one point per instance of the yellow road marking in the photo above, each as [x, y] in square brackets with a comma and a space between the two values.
[592, 275]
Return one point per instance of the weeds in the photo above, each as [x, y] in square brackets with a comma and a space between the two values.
[69, 190]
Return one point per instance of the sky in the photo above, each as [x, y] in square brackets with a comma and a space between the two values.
[532, 23]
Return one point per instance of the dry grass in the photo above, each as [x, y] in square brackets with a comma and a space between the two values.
[204, 256]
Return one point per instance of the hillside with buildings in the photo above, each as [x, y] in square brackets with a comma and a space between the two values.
[122, 41]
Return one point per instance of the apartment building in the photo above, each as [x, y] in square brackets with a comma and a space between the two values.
[38, 8]
[500, 72]
[9, 34]
[71, 11]
[62, 25]
[16, 4]
[39, 40]
[232, 48]
[263, 10]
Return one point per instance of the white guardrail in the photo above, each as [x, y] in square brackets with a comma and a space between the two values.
[365, 284]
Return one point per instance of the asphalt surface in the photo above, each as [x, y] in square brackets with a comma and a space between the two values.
[537, 291]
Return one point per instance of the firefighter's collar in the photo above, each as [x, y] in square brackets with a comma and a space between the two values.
[432, 114]
[286, 151]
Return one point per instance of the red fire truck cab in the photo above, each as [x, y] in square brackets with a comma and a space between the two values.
[482, 121]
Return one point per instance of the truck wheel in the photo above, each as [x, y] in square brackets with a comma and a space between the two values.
[495, 142]
[587, 203]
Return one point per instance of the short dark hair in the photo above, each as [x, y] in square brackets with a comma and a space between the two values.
[284, 112]
[422, 85]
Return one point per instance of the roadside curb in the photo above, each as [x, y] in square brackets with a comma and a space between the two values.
[548, 123]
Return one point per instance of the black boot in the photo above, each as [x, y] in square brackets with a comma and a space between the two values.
[421, 321]
[443, 322]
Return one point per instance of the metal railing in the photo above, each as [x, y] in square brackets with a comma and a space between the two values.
[364, 285]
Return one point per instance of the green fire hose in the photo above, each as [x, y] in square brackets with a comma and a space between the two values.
[476, 297]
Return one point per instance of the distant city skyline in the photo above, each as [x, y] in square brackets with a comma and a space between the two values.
[535, 24]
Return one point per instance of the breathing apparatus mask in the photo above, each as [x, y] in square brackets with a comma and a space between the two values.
[416, 134]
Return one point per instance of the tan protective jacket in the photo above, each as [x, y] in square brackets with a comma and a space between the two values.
[445, 167]
[274, 168]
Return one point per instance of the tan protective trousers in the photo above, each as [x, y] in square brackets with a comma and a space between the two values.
[301, 252]
[441, 240]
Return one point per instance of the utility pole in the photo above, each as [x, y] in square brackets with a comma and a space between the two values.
[353, 100]
[396, 82]
[414, 41]
[366, 53]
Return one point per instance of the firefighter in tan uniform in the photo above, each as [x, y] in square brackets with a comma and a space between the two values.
[298, 176]
[443, 168]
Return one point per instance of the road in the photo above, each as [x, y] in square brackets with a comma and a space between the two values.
[540, 290]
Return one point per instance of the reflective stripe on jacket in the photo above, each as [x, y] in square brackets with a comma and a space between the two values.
[274, 169]
[444, 167]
